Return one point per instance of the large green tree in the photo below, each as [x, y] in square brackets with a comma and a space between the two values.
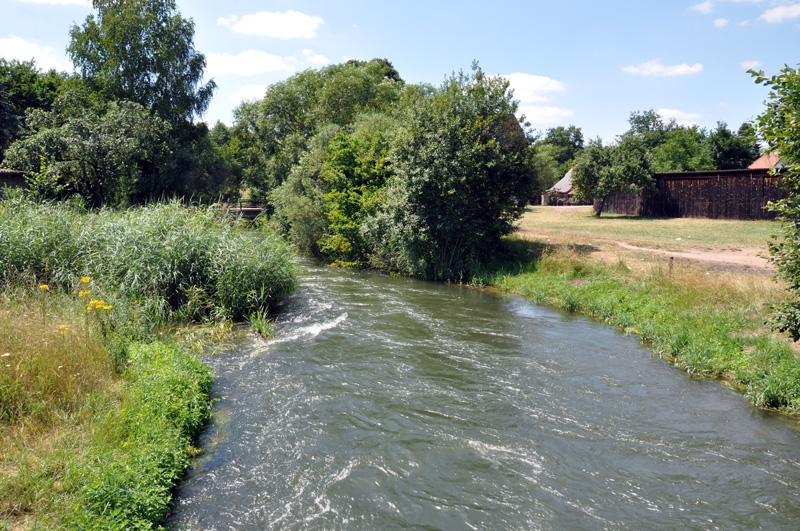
[24, 87]
[682, 149]
[104, 151]
[779, 127]
[275, 132]
[731, 151]
[143, 51]
[602, 171]
[462, 177]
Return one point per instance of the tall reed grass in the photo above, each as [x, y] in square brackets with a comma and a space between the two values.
[175, 261]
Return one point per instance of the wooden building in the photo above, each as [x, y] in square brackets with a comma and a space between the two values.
[12, 179]
[718, 194]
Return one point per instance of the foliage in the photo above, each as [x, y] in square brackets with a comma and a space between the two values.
[779, 127]
[602, 171]
[103, 151]
[564, 144]
[142, 51]
[174, 261]
[732, 151]
[462, 177]
[23, 86]
[274, 133]
[683, 149]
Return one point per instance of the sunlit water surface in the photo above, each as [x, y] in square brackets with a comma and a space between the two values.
[389, 403]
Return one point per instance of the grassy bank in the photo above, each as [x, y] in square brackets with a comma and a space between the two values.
[708, 323]
[98, 408]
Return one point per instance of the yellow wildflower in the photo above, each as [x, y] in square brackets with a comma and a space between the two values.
[86, 280]
[44, 287]
[84, 293]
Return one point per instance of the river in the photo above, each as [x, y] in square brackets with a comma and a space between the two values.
[390, 403]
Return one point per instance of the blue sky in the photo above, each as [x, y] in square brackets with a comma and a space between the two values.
[587, 63]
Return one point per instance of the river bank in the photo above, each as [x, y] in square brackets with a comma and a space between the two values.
[99, 407]
[709, 323]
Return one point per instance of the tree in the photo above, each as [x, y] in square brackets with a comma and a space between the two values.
[275, 131]
[602, 171]
[462, 177]
[23, 86]
[568, 142]
[682, 149]
[143, 51]
[732, 152]
[779, 127]
[106, 152]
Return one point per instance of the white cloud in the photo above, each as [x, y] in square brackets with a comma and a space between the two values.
[529, 88]
[656, 69]
[46, 57]
[685, 119]
[87, 3]
[313, 58]
[747, 65]
[781, 13]
[289, 25]
[543, 115]
[721, 22]
[249, 92]
[222, 21]
[704, 7]
[247, 63]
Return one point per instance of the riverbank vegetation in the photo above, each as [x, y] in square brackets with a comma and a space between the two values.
[710, 323]
[98, 407]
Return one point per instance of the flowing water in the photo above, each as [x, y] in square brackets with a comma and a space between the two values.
[389, 403]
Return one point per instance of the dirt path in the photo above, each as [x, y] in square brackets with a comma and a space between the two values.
[718, 259]
[740, 260]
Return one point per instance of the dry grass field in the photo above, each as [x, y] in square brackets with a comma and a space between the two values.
[715, 244]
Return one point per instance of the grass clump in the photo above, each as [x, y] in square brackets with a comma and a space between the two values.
[706, 323]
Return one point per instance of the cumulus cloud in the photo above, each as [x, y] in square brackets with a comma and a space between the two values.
[46, 57]
[721, 22]
[781, 13]
[231, 20]
[704, 7]
[654, 68]
[247, 63]
[531, 88]
[87, 3]
[249, 93]
[288, 25]
[544, 115]
[747, 65]
[313, 58]
[685, 119]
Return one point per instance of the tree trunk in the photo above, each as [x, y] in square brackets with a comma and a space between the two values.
[598, 206]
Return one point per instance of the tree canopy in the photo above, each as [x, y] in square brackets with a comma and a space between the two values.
[142, 51]
[779, 126]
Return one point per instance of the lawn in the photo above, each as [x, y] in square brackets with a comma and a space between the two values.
[578, 223]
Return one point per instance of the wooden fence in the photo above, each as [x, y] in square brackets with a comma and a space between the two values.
[722, 194]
